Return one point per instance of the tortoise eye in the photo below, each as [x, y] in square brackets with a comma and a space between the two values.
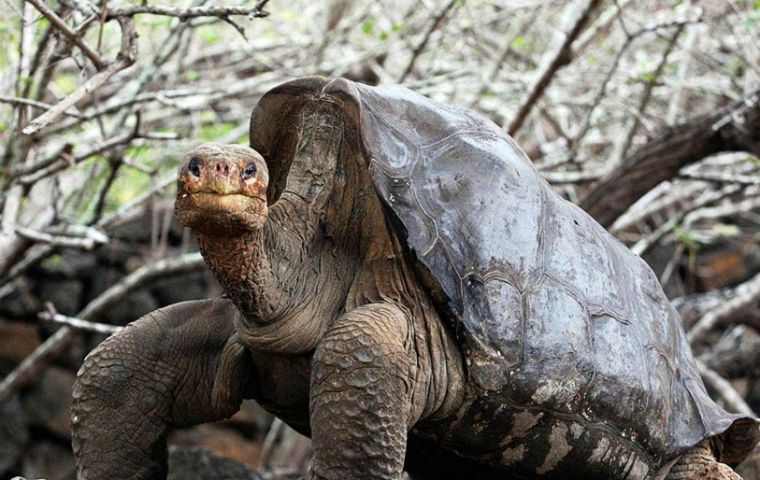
[250, 170]
[195, 166]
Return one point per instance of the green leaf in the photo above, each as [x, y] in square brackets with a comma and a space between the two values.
[209, 34]
[53, 262]
[368, 27]
[66, 82]
[518, 42]
[214, 131]
[686, 238]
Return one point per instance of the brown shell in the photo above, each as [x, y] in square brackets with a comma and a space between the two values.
[556, 317]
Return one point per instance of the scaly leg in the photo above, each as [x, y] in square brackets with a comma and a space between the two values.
[699, 463]
[360, 398]
[180, 365]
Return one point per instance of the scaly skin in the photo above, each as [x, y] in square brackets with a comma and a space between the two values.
[156, 374]
[699, 463]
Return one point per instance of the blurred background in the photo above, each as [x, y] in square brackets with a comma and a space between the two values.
[646, 113]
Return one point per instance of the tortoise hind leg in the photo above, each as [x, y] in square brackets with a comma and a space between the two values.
[700, 463]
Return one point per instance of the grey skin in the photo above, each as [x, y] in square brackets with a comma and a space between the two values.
[331, 322]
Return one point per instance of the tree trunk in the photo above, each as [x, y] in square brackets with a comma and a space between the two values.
[733, 128]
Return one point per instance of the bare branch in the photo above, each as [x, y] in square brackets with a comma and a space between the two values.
[729, 129]
[647, 95]
[551, 64]
[745, 294]
[256, 11]
[437, 21]
[68, 33]
[86, 243]
[730, 396]
[722, 178]
[33, 103]
[125, 59]
[51, 315]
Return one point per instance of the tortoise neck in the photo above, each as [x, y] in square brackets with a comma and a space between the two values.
[241, 263]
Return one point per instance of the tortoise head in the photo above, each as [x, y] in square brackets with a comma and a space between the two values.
[222, 189]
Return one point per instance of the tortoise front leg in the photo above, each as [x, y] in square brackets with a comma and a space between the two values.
[361, 395]
[180, 365]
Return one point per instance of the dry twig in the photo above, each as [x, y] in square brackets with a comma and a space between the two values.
[126, 58]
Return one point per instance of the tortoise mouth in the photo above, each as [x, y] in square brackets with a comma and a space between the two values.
[221, 211]
[221, 201]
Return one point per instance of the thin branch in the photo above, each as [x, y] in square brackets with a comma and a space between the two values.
[648, 88]
[722, 178]
[437, 21]
[745, 294]
[558, 178]
[256, 11]
[18, 101]
[51, 315]
[48, 168]
[730, 396]
[85, 243]
[58, 22]
[644, 244]
[553, 62]
[126, 58]
[728, 129]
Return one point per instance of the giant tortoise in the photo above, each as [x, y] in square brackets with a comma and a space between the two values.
[402, 286]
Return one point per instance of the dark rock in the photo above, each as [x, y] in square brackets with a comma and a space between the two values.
[199, 464]
[102, 279]
[65, 294]
[139, 228]
[181, 289]
[251, 419]
[131, 308]
[750, 467]
[47, 402]
[17, 340]
[23, 302]
[220, 441]
[14, 435]
[69, 264]
[50, 461]
[658, 258]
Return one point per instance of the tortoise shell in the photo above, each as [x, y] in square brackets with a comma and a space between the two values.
[553, 314]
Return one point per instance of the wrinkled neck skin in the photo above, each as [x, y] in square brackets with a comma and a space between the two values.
[290, 279]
